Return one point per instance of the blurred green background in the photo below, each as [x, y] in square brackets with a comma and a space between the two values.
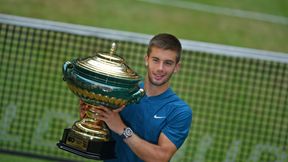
[192, 22]
[149, 17]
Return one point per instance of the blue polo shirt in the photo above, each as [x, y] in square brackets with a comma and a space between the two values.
[165, 113]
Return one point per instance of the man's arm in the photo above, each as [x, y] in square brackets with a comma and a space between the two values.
[163, 151]
[146, 151]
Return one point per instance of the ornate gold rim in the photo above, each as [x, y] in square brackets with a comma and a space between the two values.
[98, 97]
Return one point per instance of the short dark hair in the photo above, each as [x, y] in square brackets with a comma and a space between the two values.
[167, 42]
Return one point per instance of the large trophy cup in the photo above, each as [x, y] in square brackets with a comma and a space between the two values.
[103, 79]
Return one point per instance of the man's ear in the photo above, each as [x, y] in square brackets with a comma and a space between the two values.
[177, 68]
[146, 60]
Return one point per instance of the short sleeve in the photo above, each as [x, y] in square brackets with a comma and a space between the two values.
[178, 125]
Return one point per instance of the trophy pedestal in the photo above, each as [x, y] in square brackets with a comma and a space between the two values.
[85, 146]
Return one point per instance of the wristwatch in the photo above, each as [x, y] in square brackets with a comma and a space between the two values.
[127, 133]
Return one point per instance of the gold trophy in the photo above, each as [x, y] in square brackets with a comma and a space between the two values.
[103, 79]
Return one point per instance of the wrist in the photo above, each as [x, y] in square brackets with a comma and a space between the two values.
[120, 129]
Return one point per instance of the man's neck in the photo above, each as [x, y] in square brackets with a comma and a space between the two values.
[153, 90]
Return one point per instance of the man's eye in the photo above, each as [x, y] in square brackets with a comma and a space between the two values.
[168, 63]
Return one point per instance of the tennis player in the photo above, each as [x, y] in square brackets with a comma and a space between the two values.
[155, 128]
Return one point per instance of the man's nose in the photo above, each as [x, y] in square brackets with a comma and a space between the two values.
[160, 66]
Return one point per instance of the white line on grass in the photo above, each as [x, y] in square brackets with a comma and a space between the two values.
[223, 10]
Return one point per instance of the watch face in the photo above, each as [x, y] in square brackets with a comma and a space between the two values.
[127, 132]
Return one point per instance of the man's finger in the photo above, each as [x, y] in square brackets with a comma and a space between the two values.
[119, 109]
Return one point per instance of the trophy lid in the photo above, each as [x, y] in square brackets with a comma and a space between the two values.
[108, 64]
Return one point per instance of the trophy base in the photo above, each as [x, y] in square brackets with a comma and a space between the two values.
[85, 147]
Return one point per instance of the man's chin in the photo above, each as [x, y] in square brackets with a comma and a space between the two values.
[158, 82]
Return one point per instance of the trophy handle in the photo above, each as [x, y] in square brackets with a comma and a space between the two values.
[67, 66]
[137, 96]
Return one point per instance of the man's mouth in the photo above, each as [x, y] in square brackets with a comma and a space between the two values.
[158, 76]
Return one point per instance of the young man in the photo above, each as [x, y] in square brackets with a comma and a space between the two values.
[155, 128]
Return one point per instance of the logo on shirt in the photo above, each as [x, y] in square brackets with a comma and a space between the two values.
[159, 117]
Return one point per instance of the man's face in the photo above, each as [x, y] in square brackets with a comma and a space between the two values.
[161, 64]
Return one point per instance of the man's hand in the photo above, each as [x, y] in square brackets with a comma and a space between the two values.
[111, 118]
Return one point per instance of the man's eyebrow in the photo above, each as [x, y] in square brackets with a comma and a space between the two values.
[153, 57]
[169, 61]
